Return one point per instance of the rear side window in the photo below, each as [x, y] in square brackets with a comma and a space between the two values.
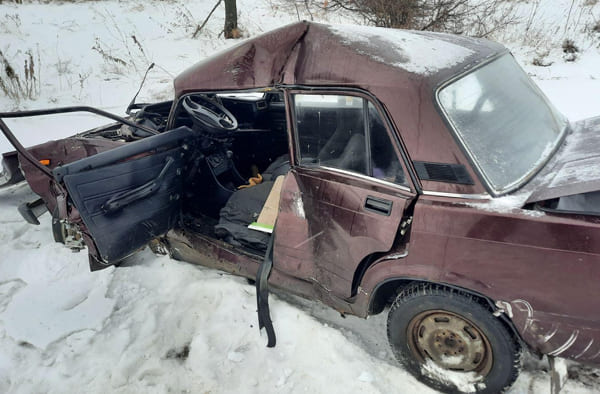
[347, 133]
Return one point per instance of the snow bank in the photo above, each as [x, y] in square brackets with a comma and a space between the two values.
[157, 325]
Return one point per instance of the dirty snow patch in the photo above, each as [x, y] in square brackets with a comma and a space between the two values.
[467, 382]
[412, 51]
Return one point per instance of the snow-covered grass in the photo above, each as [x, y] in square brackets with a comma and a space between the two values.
[96, 52]
[155, 324]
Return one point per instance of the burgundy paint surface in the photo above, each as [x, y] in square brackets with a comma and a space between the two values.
[60, 152]
[331, 231]
[545, 266]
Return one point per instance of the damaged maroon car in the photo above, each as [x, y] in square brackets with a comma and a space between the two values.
[417, 171]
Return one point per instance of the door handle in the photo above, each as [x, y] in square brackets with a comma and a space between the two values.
[378, 205]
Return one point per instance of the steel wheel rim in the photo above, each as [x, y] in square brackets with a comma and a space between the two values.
[451, 341]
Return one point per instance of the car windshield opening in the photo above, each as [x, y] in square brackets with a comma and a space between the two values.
[504, 121]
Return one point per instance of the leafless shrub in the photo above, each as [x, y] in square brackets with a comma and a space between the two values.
[127, 49]
[592, 31]
[569, 46]
[83, 76]
[20, 85]
[106, 55]
[11, 23]
[532, 16]
[570, 50]
[137, 44]
[184, 18]
[306, 5]
[63, 66]
[480, 18]
[201, 26]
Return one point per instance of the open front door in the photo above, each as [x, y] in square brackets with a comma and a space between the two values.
[128, 195]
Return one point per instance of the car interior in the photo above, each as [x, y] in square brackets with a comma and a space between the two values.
[240, 137]
[242, 147]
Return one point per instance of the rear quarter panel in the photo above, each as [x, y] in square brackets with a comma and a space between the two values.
[546, 268]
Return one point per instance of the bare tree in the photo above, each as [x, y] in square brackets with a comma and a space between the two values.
[200, 27]
[474, 17]
[231, 26]
[230, 29]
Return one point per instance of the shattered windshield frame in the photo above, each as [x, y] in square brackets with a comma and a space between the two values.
[504, 122]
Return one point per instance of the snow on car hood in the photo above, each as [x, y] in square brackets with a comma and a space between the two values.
[575, 168]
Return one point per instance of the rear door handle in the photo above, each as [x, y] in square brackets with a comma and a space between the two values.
[378, 205]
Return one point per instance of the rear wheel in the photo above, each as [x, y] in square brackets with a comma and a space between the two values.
[450, 341]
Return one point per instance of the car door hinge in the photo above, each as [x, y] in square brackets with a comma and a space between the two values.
[405, 224]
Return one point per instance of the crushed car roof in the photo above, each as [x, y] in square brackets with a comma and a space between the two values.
[402, 69]
[313, 53]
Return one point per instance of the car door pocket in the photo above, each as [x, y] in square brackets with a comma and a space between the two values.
[378, 205]
[120, 200]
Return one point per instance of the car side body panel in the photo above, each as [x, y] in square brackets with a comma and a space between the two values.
[520, 258]
[328, 229]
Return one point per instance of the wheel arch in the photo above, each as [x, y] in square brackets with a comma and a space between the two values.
[384, 294]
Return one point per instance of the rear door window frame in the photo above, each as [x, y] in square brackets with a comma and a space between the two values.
[410, 185]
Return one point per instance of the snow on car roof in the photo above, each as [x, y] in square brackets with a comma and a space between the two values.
[336, 55]
[416, 52]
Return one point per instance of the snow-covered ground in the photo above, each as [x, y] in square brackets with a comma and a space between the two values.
[158, 325]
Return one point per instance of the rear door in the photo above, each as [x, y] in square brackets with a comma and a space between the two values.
[346, 196]
[128, 195]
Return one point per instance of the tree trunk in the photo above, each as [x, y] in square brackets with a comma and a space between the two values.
[231, 28]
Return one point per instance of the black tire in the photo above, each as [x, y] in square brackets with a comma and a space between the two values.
[431, 327]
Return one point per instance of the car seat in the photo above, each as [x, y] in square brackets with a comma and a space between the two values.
[244, 206]
[346, 147]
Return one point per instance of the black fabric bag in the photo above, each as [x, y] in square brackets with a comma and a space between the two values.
[243, 208]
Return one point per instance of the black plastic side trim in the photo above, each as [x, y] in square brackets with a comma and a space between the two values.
[542, 208]
[443, 172]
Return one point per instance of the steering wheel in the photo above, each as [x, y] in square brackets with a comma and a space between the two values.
[209, 115]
